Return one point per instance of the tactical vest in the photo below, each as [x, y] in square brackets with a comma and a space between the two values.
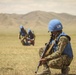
[68, 48]
[31, 35]
[22, 33]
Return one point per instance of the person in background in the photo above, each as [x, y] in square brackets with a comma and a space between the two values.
[61, 55]
[22, 35]
[31, 37]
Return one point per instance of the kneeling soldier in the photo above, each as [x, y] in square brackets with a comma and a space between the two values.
[22, 35]
[61, 54]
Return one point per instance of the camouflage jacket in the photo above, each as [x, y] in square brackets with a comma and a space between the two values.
[63, 41]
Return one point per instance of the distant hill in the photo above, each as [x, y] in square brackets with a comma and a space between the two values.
[35, 19]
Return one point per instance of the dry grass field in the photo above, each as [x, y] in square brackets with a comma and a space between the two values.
[16, 59]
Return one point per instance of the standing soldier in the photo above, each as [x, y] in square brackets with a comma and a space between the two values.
[61, 55]
[31, 37]
[22, 35]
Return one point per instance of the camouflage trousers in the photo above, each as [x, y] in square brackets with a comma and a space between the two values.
[58, 63]
[31, 41]
[23, 39]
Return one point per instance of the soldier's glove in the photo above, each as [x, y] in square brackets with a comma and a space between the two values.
[43, 61]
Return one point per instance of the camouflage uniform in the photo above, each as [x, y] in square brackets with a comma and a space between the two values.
[23, 36]
[56, 59]
[31, 37]
[61, 54]
[23, 39]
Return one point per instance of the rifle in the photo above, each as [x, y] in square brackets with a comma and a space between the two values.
[44, 53]
[42, 56]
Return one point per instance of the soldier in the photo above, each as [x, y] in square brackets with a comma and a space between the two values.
[61, 55]
[31, 37]
[22, 35]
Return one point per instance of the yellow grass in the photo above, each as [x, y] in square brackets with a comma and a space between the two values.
[16, 59]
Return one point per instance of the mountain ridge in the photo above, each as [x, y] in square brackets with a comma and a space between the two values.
[35, 19]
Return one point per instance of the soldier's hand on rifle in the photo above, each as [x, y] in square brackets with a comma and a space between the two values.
[43, 60]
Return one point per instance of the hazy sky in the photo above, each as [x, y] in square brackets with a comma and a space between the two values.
[25, 6]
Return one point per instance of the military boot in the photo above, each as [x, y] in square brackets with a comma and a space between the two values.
[46, 71]
[65, 71]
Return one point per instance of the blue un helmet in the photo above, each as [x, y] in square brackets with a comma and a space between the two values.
[55, 25]
[21, 27]
[29, 30]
